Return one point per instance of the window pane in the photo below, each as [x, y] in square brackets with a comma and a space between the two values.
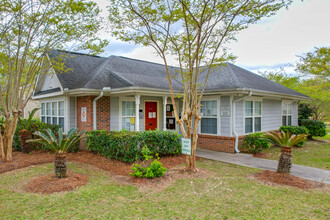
[284, 120]
[289, 109]
[248, 125]
[209, 125]
[128, 108]
[209, 108]
[289, 120]
[49, 120]
[127, 125]
[43, 119]
[54, 108]
[54, 121]
[61, 122]
[43, 110]
[284, 108]
[248, 108]
[49, 108]
[257, 124]
[61, 108]
[257, 110]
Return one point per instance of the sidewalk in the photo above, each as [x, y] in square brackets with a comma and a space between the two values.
[248, 160]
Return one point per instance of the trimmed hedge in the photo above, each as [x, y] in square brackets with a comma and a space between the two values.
[127, 146]
[315, 128]
[255, 142]
[295, 130]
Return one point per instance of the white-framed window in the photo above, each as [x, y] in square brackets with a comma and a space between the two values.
[128, 115]
[252, 116]
[286, 113]
[53, 113]
[209, 122]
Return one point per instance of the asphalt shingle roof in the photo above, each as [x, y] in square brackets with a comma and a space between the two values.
[93, 72]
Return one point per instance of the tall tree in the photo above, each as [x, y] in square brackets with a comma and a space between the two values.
[28, 30]
[195, 33]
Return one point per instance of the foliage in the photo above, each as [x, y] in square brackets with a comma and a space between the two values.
[26, 124]
[126, 146]
[155, 169]
[194, 33]
[58, 144]
[316, 62]
[284, 139]
[315, 128]
[304, 112]
[255, 142]
[295, 130]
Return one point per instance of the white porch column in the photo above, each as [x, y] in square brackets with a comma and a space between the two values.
[137, 116]
[164, 112]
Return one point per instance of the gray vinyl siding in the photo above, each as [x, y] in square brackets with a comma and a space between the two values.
[160, 111]
[114, 113]
[271, 114]
[294, 113]
[225, 121]
[73, 113]
[239, 116]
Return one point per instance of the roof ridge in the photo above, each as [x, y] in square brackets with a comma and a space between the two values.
[96, 72]
[145, 61]
[235, 78]
[77, 53]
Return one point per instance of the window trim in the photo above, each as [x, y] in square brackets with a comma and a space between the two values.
[211, 98]
[287, 103]
[121, 100]
[253, 100]
[57, 116]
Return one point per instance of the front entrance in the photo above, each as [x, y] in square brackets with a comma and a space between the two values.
[150, 115]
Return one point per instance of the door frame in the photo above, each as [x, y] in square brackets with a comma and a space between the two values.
[145, 112]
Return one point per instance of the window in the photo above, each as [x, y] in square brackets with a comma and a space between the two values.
[209, 120]
[252, 116]
[286, 113]
[128, 115]
[53, 113]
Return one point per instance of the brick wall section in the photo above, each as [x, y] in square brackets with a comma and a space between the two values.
[216, 143]
[85, 101]
[103, 113]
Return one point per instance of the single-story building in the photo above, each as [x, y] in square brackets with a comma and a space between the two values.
[118, 93]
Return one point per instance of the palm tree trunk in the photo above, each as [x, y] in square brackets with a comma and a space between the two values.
[25, 135]
[285, 162]
[60, 165]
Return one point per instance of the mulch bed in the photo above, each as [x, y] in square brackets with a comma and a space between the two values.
[260, 155]
[50, 184]
[273, 177]
[116, 167]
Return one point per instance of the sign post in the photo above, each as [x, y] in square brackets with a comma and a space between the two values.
[186, 146]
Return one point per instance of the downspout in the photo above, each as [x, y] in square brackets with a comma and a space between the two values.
[234, 120]
[105, 89]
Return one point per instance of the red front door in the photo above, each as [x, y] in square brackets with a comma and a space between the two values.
[151, 115]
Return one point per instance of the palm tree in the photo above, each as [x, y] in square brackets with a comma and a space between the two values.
[59, 145]
[285, 141]
[25, 132]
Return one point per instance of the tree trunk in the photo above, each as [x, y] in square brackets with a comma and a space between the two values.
[191, 160]
[25, 135]
[285, 162]
[60, 165]
[6, 140]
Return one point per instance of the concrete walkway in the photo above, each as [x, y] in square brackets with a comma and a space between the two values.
[248, 160]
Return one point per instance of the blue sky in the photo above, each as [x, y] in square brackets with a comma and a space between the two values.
[268, 45]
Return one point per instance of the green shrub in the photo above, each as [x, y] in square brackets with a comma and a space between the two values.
[315, 128]
[126, 145]
[255, 142]
[295, 130]
[155, 169]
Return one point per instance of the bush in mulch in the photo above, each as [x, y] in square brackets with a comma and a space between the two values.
[268, 176]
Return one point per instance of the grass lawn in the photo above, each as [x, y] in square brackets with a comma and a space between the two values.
[326, 137]
[227, 194]
[312, 153]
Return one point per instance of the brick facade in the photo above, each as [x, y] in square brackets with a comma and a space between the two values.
[216, 143]
[102, 113]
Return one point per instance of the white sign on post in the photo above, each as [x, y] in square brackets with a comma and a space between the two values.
[186, 146]
[83, 114]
